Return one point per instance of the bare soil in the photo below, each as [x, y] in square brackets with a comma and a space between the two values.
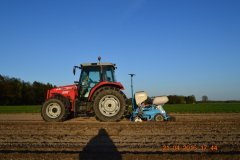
[191, 136]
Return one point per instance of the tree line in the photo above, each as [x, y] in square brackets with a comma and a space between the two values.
[175, 99]
[14, 91]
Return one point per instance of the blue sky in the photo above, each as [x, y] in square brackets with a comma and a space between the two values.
[174, 47]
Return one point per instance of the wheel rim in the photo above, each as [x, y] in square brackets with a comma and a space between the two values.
[159, 118]
[109, 105]
[53, 110]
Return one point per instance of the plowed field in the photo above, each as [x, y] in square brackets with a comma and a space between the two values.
[191, 136]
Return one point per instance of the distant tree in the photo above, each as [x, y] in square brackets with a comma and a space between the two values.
[13, 91]
[10, 91]
[181, 100]
[2, 89]
[40, 91]
[174, 99]
[204, 98]
[28, 94]
[190, 99]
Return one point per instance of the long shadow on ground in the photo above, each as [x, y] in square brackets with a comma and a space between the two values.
[100, 147]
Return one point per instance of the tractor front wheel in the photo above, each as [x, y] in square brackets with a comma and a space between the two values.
[53, 110]
[109, 104]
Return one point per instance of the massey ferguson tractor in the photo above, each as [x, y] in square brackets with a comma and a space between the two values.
[97, 92]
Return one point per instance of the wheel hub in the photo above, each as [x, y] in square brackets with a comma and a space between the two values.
[109, 105]
[53, 110]
[159, 118]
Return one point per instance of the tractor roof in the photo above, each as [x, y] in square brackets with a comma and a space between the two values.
[97, 64]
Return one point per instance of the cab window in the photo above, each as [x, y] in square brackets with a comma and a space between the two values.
[109, 74]
[94, 76]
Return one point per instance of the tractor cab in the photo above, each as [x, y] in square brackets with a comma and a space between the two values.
[92, 74]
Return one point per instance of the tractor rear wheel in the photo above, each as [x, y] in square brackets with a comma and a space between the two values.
[109, 104]
[158, 117]
[53, 110]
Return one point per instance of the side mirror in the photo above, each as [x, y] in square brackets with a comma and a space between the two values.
[74, 70]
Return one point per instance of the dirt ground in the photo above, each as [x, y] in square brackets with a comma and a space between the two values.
[191, 136]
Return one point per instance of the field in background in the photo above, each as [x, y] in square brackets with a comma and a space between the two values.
[20, 109]
[172, 108]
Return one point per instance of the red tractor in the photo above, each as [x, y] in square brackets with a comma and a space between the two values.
[96, 92]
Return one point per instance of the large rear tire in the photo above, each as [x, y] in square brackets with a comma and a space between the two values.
[53, 110]
[109, 104]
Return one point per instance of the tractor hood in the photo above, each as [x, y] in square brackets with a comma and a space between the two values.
[63, 90]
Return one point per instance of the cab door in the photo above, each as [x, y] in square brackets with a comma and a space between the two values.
[89, 78]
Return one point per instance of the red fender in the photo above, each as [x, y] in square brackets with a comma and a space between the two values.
[101, 84]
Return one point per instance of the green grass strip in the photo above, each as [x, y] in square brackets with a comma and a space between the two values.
[20, 109]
